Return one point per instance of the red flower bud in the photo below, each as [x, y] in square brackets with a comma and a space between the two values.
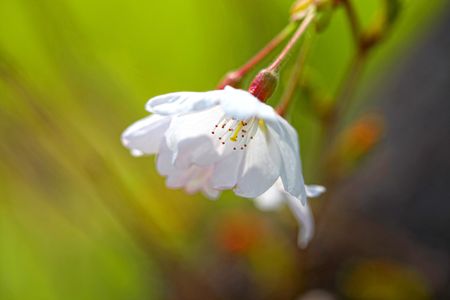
[264, 84]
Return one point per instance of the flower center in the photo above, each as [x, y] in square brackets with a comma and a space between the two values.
[236, 133]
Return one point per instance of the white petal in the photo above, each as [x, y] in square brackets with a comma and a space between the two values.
[189, 138]
[145, 136]
[137, 153]
[210, 193]
[164, 160]
[179, 178]
[272, 199]
[192, 178]
[261, 166]
[227, 171]
[199, 151]
[242, 105]
[198, 179]
[291, 168]
[183, 102]
[313, 191]
[304, 217]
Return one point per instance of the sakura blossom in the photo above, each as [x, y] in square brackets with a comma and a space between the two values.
[242, 142]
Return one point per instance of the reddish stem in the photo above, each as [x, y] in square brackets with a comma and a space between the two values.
[234, 77]
[277, 40]
[283, 55]
[294, 78]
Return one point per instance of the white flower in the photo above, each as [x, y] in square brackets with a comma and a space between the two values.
[276, 196]
[248, 144]
[225, 139]
[243, 143]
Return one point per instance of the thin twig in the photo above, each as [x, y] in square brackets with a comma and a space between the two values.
[292, 42]
[294, 78]
[237, 75]
[355, 26]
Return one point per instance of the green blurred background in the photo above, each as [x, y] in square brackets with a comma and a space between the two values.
[81, 219]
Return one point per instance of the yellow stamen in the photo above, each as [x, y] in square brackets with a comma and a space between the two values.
[233, 138]
[262, 125]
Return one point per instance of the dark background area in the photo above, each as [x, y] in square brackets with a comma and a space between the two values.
[402, 191]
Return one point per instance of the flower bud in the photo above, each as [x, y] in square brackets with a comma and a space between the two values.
[264, 84]
[300, 8]
[382, 25]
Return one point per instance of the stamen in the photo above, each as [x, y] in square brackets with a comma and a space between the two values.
[236, 133]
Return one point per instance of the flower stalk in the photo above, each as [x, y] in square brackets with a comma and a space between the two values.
[355, 26]
[234, 78]
[275, 66]
[294, 79]
[264, 84]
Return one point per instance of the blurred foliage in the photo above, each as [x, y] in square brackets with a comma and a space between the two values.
[79, 217]
[383, 280]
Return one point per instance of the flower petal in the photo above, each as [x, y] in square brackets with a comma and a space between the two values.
[304, 217]
[210, 193]
[313, 191]
[183, 102]
[164, 160]
[179, 178]
[227, 171]
[190, 140]
[261, 166]
[196, 150]
[198, 179]
[145, 135]
[291, 168]
[192, 178]
[241, 105]
[272, 198]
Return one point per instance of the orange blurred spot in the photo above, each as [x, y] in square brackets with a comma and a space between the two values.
[354, 143]
[363, 135]
[239, 232]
